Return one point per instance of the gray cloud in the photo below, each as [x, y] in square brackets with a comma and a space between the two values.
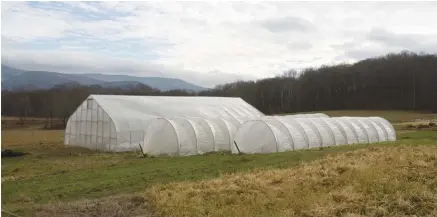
[362, 53]
[414, 42]
[301, 45]
[391, 39]
[287, 24]
[378, 41]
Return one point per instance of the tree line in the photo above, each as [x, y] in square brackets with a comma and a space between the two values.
[396, 81]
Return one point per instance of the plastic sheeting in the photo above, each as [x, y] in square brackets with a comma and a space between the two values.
[188, 136]
[118, 123]
[281, 133]
[309, 115]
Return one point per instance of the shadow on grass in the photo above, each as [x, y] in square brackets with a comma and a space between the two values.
[12, 153]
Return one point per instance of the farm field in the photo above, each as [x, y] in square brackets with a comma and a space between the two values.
[385, 179]
[392, 116]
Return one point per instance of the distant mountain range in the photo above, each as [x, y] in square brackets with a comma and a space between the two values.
[17, 79]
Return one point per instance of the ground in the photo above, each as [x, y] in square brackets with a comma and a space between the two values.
[386, 179]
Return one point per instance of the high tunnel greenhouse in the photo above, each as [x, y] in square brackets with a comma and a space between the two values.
[119, 123]
[191, 136]
[162, 125]
[284, 133]
[188, 136]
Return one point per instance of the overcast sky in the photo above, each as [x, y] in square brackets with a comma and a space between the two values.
[208, 43]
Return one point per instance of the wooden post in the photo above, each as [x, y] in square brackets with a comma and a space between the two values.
[141, 148]
[239, 152]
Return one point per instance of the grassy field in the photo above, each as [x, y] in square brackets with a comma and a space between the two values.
[392, 116]
[387, 179]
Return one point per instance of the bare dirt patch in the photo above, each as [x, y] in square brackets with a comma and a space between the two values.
[120, 206]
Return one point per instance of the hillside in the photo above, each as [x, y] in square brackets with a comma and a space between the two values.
[17, 79]
[162, 84]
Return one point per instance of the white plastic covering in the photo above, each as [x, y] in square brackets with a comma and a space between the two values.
[282, 133]
[118, 123]
[188, 136]
[386, 127]
[309, 115]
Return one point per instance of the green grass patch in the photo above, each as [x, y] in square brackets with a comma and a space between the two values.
[417, 136]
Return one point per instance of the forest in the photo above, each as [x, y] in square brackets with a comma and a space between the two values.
[396, 81]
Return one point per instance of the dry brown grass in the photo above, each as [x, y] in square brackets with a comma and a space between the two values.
[39, 142]
[394, 181]
[31, 138]
[417, 125]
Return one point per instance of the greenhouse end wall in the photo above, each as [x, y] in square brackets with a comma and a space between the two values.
[90, 127]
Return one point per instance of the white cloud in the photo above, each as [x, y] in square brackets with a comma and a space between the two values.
[21, 23]
[190, 40]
